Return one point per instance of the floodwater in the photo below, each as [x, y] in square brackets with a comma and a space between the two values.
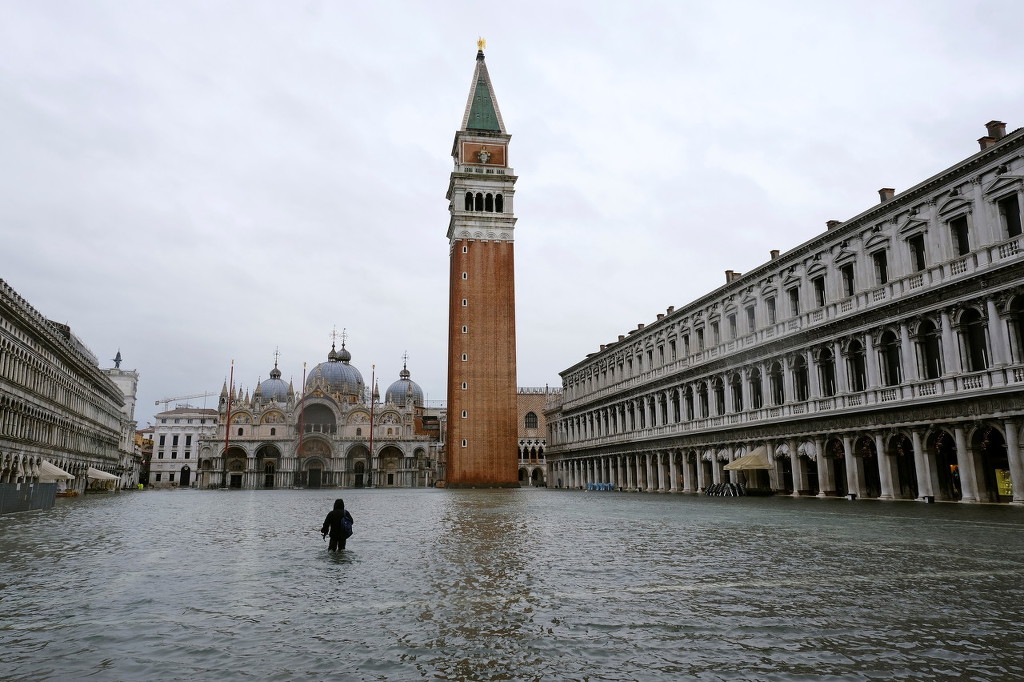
[510, 585]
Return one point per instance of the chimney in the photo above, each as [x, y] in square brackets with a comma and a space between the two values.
[996, 129]
[832, 224]
[885, 194]
[602, 347]
[986, 142]
[737, 275]
[621, 336]
[640, 326]
[661, 316]
[728, 276]
[774, 253]
[670, 309]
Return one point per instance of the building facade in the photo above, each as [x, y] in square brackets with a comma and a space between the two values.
[884, 358]
[56, 404]
[129, 454]
[334, 432]
[531, 403]
[481, 313]
[177, 435]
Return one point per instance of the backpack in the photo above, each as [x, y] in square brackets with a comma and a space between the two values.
[346, 526]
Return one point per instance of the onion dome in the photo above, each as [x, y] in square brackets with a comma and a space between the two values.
[274, 388]
[336, 375]
[405, 392]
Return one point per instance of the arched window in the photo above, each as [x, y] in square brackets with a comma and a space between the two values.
[858, 368]
[530, 421]
[469, 201]
[479, 204]
[1015, 323]
[756, 391]
[273, 431]
[800, 381]
[929, 350]
[736, 385]
[719, 390]
[688, 399]
[827, 372]
[489, 203]
[889, 359]
[702, 399]
[499, 204]
[239, 430]
[776, 383]
[972, 335]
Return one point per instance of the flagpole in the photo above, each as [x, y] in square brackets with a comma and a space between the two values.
[373, 378]
[302, 428]
[227, 427]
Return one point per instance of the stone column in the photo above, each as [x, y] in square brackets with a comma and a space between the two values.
[716, 468]
[884, 470]
[965, 465]
[813, 377]
[826, 471]
[853, 468]
[673, 472]
[689, 476]
[997, 336]
[842, 376]
[1016, 463]
[630, 485]
[871, 361]
[701, 483]
[908, 361]
[649, 483]
[949, 345]
[924, 466]
[799, 470]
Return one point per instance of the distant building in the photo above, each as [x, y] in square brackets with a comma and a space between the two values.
[531, 403]
[56, 404]
[176, 437]
[129, 456]
[883, 358]
[335, 432]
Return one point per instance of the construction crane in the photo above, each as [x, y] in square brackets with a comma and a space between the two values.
[168, 401]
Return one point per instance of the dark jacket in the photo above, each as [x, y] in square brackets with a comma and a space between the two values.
[332, 524]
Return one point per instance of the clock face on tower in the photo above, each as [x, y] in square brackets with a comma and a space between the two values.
[484, 154]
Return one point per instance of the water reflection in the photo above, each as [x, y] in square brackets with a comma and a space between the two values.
[493, 585]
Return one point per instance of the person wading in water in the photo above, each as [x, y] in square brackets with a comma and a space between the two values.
[339, 524]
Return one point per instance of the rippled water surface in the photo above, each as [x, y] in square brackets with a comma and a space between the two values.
[498, 585]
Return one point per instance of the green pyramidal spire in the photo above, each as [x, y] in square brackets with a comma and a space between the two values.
[482, 109]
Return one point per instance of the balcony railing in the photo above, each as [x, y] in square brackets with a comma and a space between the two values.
[936, 274]
[905, 394]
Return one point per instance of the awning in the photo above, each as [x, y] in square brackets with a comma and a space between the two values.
[98, 475]
[51, 472]
[755, 460]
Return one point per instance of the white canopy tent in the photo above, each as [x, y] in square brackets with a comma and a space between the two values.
[755, 460]
[49, 473]
[97, 475]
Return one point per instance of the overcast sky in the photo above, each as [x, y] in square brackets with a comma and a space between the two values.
[200, 182]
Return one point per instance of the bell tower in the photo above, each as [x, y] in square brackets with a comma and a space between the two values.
[482, 436]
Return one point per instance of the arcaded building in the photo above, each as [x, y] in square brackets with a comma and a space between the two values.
[334, 432]
[56, 404]
[883, 358]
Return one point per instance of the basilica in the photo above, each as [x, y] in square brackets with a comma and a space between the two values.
[333, 432]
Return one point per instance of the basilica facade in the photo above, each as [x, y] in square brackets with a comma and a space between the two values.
[332, 432]
[883, 358]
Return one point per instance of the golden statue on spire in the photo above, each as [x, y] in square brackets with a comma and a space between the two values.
[481, 44]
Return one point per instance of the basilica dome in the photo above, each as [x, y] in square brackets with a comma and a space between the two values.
[336, 375]
[274, 388]
[399, 391]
